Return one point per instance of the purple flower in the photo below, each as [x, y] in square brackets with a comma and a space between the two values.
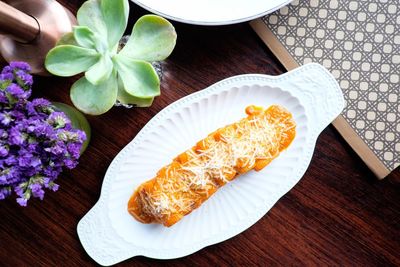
[20, 189]
[9, 176]
[20, 65]
[3, 98]
[16, 93]
[58, 120]
[57, 149]
[70, 163]
[3, 134]
[5, 192]
[6, 77]
[5, 118]
[15, 90]
[16, 137]
[74, 149]
[11, 160]
[3, 151]
[17, 79]
[37, 106]
[24, 79]
[8, 70]
[54, 187]
[3, 178]
[37, 191]
[27, 159]
[22, 201]
[52, 172]
[36, 141]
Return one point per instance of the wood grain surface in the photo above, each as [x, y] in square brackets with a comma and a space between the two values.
[338, 214]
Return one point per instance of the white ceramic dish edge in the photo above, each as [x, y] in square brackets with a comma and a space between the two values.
[312, 84]
[213, 23]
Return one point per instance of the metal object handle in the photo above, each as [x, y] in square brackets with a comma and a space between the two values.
[17, 25]
[30, 28]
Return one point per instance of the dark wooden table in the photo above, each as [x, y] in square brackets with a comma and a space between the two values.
[338, 214]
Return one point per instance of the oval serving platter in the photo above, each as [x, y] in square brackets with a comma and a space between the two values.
[211, 12]
[110, 235]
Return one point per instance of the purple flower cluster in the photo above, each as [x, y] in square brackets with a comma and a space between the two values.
[36, 141]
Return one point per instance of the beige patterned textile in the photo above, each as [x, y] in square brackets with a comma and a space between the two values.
[359, 42]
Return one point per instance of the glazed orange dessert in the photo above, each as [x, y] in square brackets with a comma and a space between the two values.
[196, 174]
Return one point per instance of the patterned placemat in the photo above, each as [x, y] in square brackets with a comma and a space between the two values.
[359, 42]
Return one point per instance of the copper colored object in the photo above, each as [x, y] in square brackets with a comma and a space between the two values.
[30, 28]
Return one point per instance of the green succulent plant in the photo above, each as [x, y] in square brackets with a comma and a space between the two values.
[126, 75]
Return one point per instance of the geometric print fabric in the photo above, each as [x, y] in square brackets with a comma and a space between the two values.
[359, 42]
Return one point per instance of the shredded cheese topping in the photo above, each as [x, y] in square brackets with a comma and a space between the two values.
[195, 175]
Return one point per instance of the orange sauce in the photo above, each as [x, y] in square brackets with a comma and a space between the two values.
[196, 174]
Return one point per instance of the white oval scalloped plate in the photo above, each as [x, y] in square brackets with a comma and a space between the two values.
[212, 12]
[110, 235]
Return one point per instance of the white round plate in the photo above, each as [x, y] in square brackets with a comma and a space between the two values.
[212, 12]
[110, 235]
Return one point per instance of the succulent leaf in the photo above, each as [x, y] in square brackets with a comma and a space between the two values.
[84, 37]
[94, 99]
[100, 71]
[90, 15]
[153, 39]
[138, 77]
[115, 15]
[67, 39]
[69, 60]
[125, 98]
[92, 48]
